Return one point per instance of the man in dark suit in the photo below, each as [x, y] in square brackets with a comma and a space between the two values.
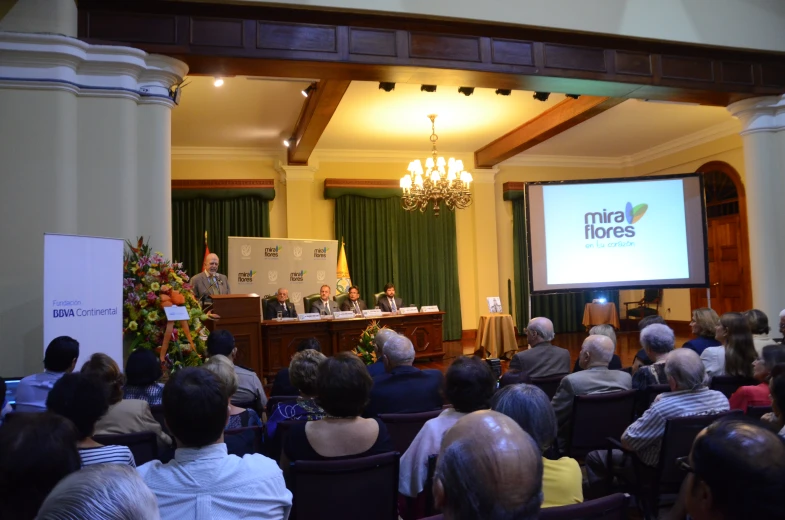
[542, 359]
[404, 388]
[388, 302]
[325, 306]
[354, 303]
[280, 304]
[210, 281]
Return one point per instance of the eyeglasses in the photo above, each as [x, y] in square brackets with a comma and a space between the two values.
[683, 463]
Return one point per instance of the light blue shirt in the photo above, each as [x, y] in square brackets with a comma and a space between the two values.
[208, 483]
[32, 391]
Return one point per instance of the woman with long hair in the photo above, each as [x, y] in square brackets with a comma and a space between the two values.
[758, 395]
[735, 356]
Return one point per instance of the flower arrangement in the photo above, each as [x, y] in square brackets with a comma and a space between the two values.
[366, 348]
[151, 283]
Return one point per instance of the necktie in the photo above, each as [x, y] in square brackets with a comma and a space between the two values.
[327, 306]
[392, 305]
[214, 286]
[356, 307]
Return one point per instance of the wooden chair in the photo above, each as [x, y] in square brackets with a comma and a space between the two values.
[596, 417]
[651, 297]
[549, 384]
[143, 445]
[241, 441]
[612, 507]
[274, 447]
[729, 384]
[404, 427]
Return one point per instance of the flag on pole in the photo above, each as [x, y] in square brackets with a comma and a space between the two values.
[206, 250]
[342, 272]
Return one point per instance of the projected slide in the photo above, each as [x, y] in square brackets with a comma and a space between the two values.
[641, 232]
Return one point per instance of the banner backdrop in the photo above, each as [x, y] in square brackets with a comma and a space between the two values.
[262, 265]
[83, 293]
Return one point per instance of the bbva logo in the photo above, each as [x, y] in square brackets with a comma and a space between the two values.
[63, 313]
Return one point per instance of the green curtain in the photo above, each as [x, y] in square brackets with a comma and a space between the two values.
[418, 252]
[565, 310]
[241, 216]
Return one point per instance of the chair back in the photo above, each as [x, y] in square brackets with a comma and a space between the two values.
[340, 298]
[612, 507]
[549, 384]
[143, 445]
[254, 404]
[652, 391]
[274, 401]
[595, 417]
[241, 441]
[158, 415]
[308, 301]
[273, 447]
[651, 295]
[376, 297]
[359, 488]
[404, 427]
[756, 412]
[729, 384]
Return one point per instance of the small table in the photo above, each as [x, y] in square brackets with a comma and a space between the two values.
[496, 334]
[600, 314]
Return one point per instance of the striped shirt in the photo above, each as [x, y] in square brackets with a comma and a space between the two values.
[644, 436]
[107, 455]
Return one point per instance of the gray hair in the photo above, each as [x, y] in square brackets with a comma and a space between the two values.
[399, 351]
[530, 407]
[604, 330]
[101, 492]
[658, 338]
[543, 327]
[381, 339]
[600, 347]
[686, 368]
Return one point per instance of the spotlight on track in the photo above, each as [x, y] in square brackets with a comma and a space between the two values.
[288, 142]
[503, 92]
[386, 86]
[466, 91]
[541, 96]
[573, 96]
[428, 88]
[307, 90]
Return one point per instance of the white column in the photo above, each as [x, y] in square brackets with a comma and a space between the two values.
[764, 181]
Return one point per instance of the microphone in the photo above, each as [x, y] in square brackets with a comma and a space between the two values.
[207, 292]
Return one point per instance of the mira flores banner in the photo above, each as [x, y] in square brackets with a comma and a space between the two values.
[262, 265]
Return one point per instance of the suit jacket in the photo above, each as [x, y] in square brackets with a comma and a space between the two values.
[347, 305]
[287, 308]
[131, 416]
[542, 361]
[405, 389]
[384, 303]
[200, 283]
[320, 307]
[592, 381]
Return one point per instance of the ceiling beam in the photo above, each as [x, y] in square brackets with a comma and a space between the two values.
[552, 122]
[317, 111]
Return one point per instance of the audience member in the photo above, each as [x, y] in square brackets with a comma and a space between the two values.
[527, 405]
[303, 371]
[124, 415]
[224, 370]
[6, 405]
[704, 325]
[735, 356]
[83, 400]
[282, 385]
[759, 326]
[343, 386]
[488, 468]
[595, 378]
[101, 492]
[603, 330]
[403, 388]
[758, 395]
[249, 388]
[657, 341]
[782, 326]
[203, 480]
[142, 372]
[641, 359]
[383, 336]
[60, 358]
[542, 359]
[688, 396]
[36, 452]
[468, 387]
[777, 391]
[514, 377]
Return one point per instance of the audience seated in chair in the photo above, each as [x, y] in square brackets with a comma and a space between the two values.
[383, 336]
[282, 384]
[37, 450]
[735, 356]
[759, 326]
[489, 469]
[343, 386]
[124, 415]
[249, 387]
[224, 371]
[468, 387]
[758, 395]
[527, 405]
[514, 377]
[704, 325]
[59, 359]
[603, 330]
[142, 372]
[776, 419]
[387, 302]
[101, 492]
[404, 388]
[594, 357]
[736, 471]
[541, 359]
[688, 396]
[203, 480]
[303, 372]
[657, 341]
[83, 400]
[641, 359]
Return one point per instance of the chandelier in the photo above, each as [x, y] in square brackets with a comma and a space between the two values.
[440, 181]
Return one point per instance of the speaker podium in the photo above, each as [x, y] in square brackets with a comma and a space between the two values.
[241, 314]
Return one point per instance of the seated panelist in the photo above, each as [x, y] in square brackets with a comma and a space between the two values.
[280, 304]
[325, 305]
[354, 303]
[388, 302]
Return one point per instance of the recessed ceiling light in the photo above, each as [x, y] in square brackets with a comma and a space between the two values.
[218, 82]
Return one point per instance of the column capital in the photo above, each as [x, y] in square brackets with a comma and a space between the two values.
[761, 114]
[296, 172]
[484, 175]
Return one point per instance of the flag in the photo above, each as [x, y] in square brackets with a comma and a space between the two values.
[342, 272]
[206, 250]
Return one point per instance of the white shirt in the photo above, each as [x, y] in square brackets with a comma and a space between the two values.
[760, 341]
[207, 483]
[714, 361]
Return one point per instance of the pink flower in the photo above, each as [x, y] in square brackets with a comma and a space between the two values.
[128, 283]
[187, 286]
[144, 261]
[157, 259]
[151, 297]
[132, 299]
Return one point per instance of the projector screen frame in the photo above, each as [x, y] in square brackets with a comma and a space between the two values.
[704, 225]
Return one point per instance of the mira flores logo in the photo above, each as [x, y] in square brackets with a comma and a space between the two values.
[320, 253]
[297, 276]
[246, 277]
[272, 252]
[594, 221]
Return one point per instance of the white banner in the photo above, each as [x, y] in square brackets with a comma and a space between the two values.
[262, 265]
[83, 294]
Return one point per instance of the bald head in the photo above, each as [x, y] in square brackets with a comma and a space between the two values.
[540, 330]
[597, 351]
[211, 264]
[488, 468]
[685, 370]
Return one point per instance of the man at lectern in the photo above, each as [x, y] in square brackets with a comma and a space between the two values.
[282, 305]
[325, 305]
[210, 281]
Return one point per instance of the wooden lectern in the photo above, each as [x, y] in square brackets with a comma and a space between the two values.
[241, 315]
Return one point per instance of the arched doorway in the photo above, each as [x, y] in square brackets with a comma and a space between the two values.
[728, 240]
